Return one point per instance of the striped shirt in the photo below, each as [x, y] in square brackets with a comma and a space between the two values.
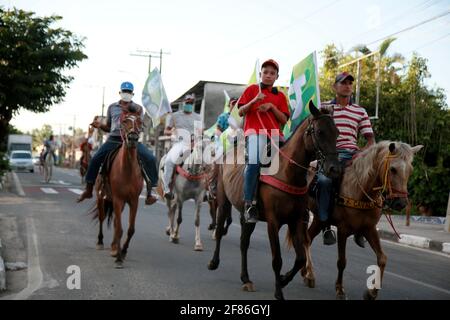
[350, 120]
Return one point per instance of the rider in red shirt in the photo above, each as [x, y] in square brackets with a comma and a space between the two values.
[265, 110]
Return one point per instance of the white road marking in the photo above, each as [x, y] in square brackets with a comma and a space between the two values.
[49, 190]
[64, 183]
[76, 191]
[34, 269]
[430, 286]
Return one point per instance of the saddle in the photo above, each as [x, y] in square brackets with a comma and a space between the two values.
[105, 169]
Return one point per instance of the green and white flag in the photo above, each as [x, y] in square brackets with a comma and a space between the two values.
[304, 87]
[154, 97]
[255, 77]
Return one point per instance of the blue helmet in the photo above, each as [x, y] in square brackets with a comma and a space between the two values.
[222, 120]
[127, 86]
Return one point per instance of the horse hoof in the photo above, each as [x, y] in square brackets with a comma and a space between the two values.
[198, 248]
[100, 247]
[213, 235]
[211, 227]
[310, 283]
[248, 287]
[119, 265]
[168, 231]
[368, 295]
[114, 253]
[341, 296]
[279, 295]
[174, 240]
[283, 281]
[212, 265]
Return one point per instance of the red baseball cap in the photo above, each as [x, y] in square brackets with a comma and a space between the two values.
[272, 63]
[342, 76]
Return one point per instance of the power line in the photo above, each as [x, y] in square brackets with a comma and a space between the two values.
[411, 27]
[288, 26]
[401, 31]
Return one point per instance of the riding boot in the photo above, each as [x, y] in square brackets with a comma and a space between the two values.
[251, 213]
[359, 240]
[329, 236]
[87, 194]
[151, 199]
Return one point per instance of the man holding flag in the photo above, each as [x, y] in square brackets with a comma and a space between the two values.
[265, 110]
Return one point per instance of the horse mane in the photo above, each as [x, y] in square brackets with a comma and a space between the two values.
[367, 164]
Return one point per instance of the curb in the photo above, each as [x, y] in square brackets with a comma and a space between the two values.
[2, 270]
[416, 241]
[15, 184]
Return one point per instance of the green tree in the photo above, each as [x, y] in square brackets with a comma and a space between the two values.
[33, 59]
[40, 135]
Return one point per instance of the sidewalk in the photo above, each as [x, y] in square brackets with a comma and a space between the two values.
[426, 234]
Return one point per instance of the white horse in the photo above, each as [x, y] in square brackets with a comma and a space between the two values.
[189, 183]
[48, 164]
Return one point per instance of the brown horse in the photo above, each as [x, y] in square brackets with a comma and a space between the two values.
[316, 136]
[379, 172]
[84, 160]
[123, 185]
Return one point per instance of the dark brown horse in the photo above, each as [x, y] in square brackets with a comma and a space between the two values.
[379, 172]
[316, 136]
[123, 185]
[84, 160]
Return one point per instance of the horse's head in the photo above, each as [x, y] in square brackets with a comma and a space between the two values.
[395, 171]
[130, 127]
[321, 136]
[195, 161]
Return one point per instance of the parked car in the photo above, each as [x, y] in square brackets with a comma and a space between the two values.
[36, 160]
[21, 160]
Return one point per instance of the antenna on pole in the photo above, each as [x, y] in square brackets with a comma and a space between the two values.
[151, 54]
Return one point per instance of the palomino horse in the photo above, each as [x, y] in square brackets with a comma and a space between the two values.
[381, 171]
[189, 183]
[48, 164]
[123, 185]
[315, 136]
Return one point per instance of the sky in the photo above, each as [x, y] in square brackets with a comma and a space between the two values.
[220, 41]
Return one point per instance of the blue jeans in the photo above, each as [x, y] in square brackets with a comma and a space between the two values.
[255, 147]
[45, 155]
[325, 190]
[146, 156]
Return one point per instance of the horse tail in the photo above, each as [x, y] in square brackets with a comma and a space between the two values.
[109, 210]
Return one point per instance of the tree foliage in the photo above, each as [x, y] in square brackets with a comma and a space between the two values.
[409, 111]
[34, 60]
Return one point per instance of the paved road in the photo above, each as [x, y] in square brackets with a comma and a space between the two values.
[51, 232]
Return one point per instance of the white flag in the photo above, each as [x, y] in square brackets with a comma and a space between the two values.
[154, 97]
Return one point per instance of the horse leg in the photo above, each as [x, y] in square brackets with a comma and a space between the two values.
[175, 237]
[308, 271]
[300, 241]
[277, 262]
[171, 213]
[118, 231]
[341, 263]
[212, 212]
[374, 240]
[198, 242]
[223, 211]
[246, 232]
[131, 222]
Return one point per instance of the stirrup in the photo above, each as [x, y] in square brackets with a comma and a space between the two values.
[251, 214]
[329, 237]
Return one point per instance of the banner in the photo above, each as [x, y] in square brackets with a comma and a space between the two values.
[304, 87]
[154, 97]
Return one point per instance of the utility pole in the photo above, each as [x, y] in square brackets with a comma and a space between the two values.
[151, 54]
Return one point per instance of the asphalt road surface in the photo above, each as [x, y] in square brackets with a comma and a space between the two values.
[49, 231]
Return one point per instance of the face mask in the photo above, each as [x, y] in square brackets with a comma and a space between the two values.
[125, 96]
[188, 107]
